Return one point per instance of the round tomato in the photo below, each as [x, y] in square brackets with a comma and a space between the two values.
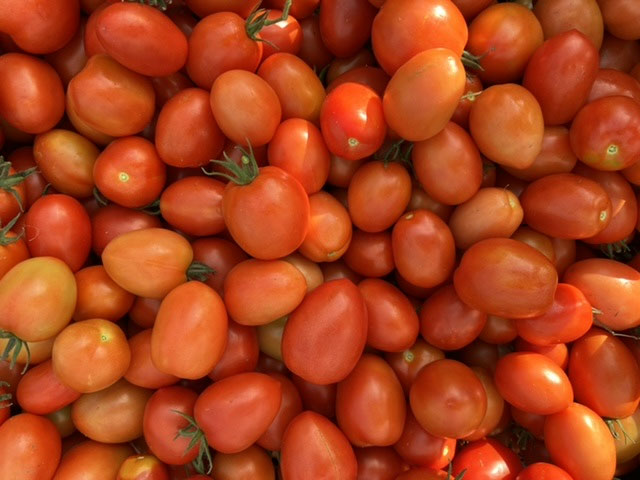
[112, 220]
[345, 25]
[486, 460]
[99, 296]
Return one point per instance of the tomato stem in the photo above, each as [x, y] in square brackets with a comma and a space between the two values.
[242, 174]
[152, 209]
[259, 19]
[159, 4]
[9, 181]
[4, 240]
[601, 325]
[611, 423]
[197, 437]
[199, 271]
[100, 199]
[14, 347]
[472, 61]
[5, 397]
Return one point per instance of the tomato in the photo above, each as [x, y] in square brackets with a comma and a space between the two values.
[142, 372]
[13, 249]
[266, 211]
[283, 36]
[298, 148]
[412, 115]
[99, 296]
[627, 446]
[313, 447]
[507, 125]
[29, 80]
[486, 460]
[345, 25]
[205, 141]
[30, 447]
[506, 278]
[231, 427]
[137, 466]
[71, 58]
[370, 406]
[202, 8]
[40, 392]
[374, 78]
[569, 318]
[519, 374]
[250, 464]
[112, 220]
[404, 28]
[611, 82]
[498, 330]
[340, 66]
[169, 86]
[504, 37]
[378, 463]
[66, 160]
[113, 414]
[142, 39]
[368, 254]
[448, 323]
[326, 350]
[560, 83]
[448, 182]
[149, 262]
[423, 474]
[219, 254]
[558, 16]
[313, 51]
[495, 414]
[580, 443]
[310, 270]
[448, 399]
[90, 355]
[330, 229]
[5, 402]
[408, 363]
[190, 331]
[587, 212]
[299, 9]
[418, 447]
[38, 351]
[605, 375]
[110, 99]
[610, 287]
[543, 471]
[161, 424]
[37, 298]
[621, 18]
[93, 461]
[51, 24]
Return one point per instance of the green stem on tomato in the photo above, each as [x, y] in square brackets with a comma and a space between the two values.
[199, 271]
[242, 174]
[5, 397]
[472, 61]
[203, 463]
[259, 19]
[13, 349]
[6, 241]
[8, 181]
[159, 4]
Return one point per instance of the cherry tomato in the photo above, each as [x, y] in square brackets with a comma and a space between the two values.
[408, 363]
[330, 229]
[99, 296]
[40, 392]
[92, 460]
[486, 460]
[112, 220]
[378, 463]
[138, 466]
[368, 254]
[611, 82]
[621, 18]
[219, 254]
[558, 16]
[542, 470]
[345, 25]
[250, 464]
[142, 372]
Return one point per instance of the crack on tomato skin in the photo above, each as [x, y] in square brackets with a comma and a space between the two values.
[332, 457]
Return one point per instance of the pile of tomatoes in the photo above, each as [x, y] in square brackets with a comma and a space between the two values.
[319, 239]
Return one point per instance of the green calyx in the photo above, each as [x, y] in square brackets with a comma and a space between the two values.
[159, 4]
[242, 174]
[6, 241]
[9, 181]
[5, 398]
[259, 19]
[472, 61]
[199, 271]
[203, 463]
[13, 348]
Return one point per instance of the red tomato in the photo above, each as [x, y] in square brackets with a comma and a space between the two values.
[313, 447]
[378, 463]
[112, 220]
[142, 372]
[290, 407]
[408, 363]
[486, 460]
[92, 460]
[374, 78]
[611, 82]
[250, 464]
[13, 249]
[99, 296]
[141, 38]
[558, 16]
[219, 254]
[368, 254]
[40, 392]
[327, 349]
[543, 471]
[496, 417]
[30, 447]
[282, 36]
[231, 427]
[345, 25]
[621, 17]
[139, 466]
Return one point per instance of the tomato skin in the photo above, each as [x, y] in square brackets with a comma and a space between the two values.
[31, 448]
[161, 424]
[12, 254]
[507, 125]
[328, 349]
[374, 78]
[505, 36]
[30, 81]
[611, 287]
[605, 375]
[560, 93]
[40, 392]
[202, 8]
[558, 16]
[418, 447]
[99, 296]
[592, 455]
[621, 18]
[219, 254]
[345, 25]
[142, 372]
[111, 99]
[379, 463]
[416, 117]
[112, 220]
[610, 82]
[506, 278]
[142, 38]
[313, 447]
[408, 363]
[37, 298]
[92, 461]
[487, 460]
[313, 51]
[250, 464]
[190, 331]
[370, 405]
[448, 399]
[137, 466]
[423, 248]
[149, 262]
[231, 427]
[190, 106]
[369, 254]
[515, 375]
[543, 471]
[587, 212]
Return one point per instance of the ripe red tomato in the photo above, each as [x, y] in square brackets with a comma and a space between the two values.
[112, 220]
[92, 460]
[542, 470]
[418, 447]
[558, 16]
[99, 296]
[142, 371]
[345, 25]
[330, 229]
[610, 82]
[407, 364]
[250, 464]
[487, 460]
[379, 463]
[40, 392]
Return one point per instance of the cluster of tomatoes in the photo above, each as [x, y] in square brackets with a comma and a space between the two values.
[319, 239]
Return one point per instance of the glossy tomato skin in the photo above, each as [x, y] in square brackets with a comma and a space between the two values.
[142, 38]
[405, 28]
[29, 80]
[250, 464]
[610, 82]
[327, 350]
[40, 392]
[621, 18]
[330, 229]
[506, 278]
[31, 448]
[558, 16]
[112, 220]
[219, 254]
[93, 460]
[368, 254]
[592, 455]
[407, 364]
[543, 471]
[190, 331]
[379, 463]
[290, 407]
[345, 25]
[604, 374]
[232, 426]
[273, 198]
[142, 372]
[99, 296]
[487, 460]
[37, 298]
[137, 466]
[313, 447]
[370, 406]
[560, 75]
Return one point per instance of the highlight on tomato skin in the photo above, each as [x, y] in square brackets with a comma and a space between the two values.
[319, 239]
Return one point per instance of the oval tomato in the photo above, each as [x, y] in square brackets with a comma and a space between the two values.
[345, 25]
[92, 460]
[40, 392]
[330, 229]
[486, 460]
[558, 16]
[142, 371]
[250, 464]
[99, 296]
